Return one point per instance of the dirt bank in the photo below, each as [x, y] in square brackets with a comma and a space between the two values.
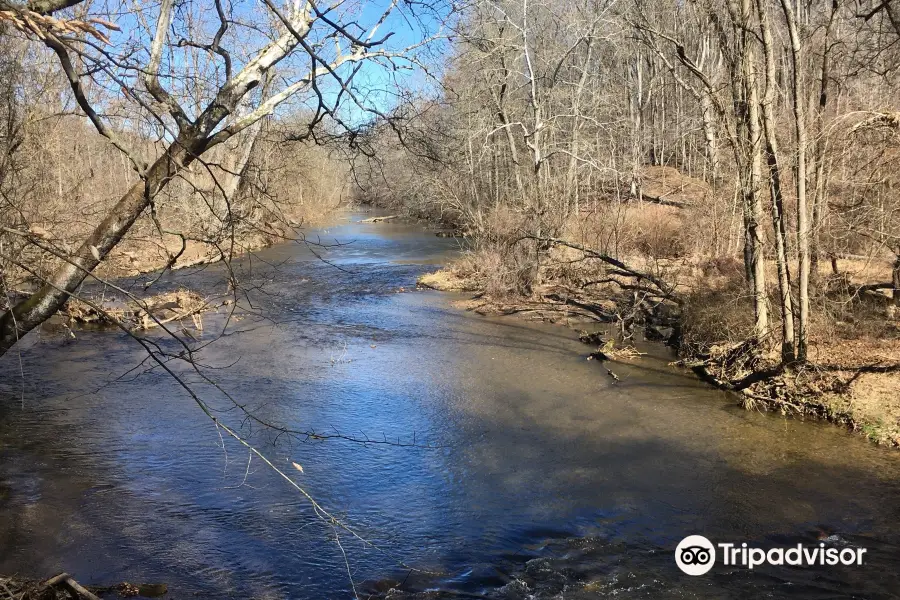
[139, 255]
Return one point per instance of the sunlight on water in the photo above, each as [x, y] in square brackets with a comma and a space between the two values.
[532, 474]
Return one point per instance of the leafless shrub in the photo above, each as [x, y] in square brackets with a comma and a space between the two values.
[717, 315]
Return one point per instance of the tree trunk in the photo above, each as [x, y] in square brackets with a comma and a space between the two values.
[572, 183]
[802, 211]
[499, 102]
[709, 134]
[895, 277]
[25, 316]
[788, 350]
[820, 193]
[752, 193]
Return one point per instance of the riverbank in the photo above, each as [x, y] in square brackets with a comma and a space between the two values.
[851, 380]
[140, 255]
[143, 307]
[64, 587]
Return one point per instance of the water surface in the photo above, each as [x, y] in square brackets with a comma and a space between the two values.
[522, 470]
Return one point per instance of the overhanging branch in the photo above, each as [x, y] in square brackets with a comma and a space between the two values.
[663, 289]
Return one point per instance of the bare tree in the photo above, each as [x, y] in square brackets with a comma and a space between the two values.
[788, 349]
[797, 88]
[312, 46]
[764, 127]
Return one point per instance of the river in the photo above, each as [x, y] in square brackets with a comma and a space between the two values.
[522, 470]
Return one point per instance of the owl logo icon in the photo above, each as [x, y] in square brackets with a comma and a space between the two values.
[695, 555]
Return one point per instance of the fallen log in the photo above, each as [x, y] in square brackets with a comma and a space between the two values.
[65, 580]
[662, 200]
[64, 587]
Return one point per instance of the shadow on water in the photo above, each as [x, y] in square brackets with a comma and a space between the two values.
[545, 479]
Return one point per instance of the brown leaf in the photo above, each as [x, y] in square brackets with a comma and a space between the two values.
[40, 232]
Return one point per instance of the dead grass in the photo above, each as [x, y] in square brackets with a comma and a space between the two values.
[667, 184]
[869, 398]
[448, 280]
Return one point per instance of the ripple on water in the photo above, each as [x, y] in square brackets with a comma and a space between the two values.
[546, 480]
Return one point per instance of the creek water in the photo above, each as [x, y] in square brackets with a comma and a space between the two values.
[523, 470]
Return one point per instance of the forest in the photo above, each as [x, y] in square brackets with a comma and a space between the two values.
[238, 214]
[731, 165]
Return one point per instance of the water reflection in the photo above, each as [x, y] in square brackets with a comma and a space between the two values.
[540, 456]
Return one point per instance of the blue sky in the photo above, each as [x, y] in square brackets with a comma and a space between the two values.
[375, 84]
[409, 23]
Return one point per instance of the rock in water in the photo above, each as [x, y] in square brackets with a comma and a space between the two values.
[595, 338]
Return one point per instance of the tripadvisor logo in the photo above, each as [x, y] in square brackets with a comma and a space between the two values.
[696, 555]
